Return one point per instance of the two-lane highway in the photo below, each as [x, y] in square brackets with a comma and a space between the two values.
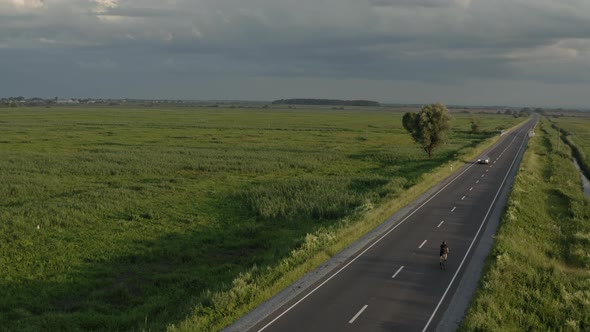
[395, 283]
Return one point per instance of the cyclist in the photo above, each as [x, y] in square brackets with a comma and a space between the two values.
[444, 254]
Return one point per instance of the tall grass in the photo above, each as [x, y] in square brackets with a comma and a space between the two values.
[316, 198]
[537, 276]
[133, 219]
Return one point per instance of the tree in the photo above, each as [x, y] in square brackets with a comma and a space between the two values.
[429, 127]
[524, 112]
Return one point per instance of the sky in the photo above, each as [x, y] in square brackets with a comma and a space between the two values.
[468, 52]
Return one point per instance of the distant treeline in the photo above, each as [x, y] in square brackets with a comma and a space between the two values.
[337, 102]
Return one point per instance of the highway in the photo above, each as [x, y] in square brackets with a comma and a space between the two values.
[394, 282]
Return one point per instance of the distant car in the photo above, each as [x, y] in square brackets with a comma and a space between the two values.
[483, 160]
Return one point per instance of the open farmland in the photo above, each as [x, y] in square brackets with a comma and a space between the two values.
[577, 133]
[129, 219]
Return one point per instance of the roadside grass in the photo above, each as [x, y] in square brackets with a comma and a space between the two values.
[123, 219]
[537, 277]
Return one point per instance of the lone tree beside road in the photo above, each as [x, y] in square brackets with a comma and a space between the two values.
[429, 127]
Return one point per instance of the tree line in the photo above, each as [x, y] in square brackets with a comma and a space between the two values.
[331, 102]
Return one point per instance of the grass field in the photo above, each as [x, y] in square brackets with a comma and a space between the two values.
[538, 274]
[122, 219]
[577, 133]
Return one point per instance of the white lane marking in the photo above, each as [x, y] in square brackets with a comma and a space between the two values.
[440, 224]
[474, 238]
[358, 314]
[477, 181]
[398, 271]
[483, 175]
[487, 170]
[470, 189]
[422, 245]
[453, 209]
[462, 198]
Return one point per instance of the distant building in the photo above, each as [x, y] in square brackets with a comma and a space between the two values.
[68, 101]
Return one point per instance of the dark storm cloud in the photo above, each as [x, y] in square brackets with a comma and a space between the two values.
[417, 3]
[437, 42]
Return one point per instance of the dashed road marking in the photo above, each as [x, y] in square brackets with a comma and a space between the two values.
[358, 314]
[422, 245]
[440, 224]
[398, 271]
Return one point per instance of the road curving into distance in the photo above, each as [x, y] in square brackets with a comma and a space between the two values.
[393, 282]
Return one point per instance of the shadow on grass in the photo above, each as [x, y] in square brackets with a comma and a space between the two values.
[411, 170]
[468, 135]
[157, 283]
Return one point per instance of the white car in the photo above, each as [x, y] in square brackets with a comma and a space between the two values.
[483, 160]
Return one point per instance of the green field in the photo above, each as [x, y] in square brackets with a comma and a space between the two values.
[538, 274]
[578, 135]
[122, 219]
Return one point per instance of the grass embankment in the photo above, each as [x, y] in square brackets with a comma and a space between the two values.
[538, 273]
[134, 219]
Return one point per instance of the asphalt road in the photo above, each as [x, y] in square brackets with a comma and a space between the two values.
[394, 282]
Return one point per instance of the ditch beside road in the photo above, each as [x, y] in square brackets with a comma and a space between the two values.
[585, 181]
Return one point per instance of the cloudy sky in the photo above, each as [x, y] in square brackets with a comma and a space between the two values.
[485, 52]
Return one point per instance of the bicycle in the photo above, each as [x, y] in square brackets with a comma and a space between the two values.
[444, 254]
[443, 261]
